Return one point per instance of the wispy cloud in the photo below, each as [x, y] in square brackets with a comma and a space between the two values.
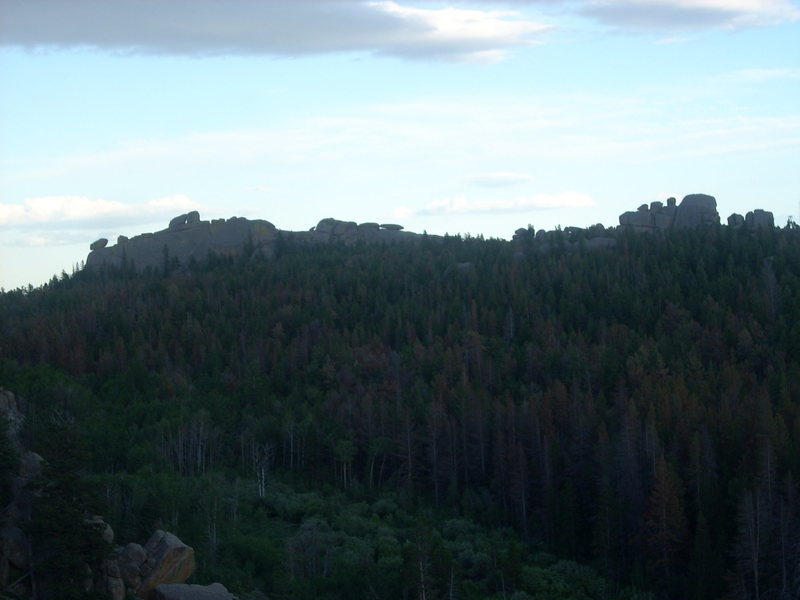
[80, 212]
[459, 205]
[671, 15]
[245, 27]
[499, 179]
[761, 75]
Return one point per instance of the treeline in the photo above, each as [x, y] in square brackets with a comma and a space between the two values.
[635, 410]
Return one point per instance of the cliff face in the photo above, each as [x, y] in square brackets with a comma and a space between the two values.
[188, 237]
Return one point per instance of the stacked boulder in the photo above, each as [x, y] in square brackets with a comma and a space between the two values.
[695, 210]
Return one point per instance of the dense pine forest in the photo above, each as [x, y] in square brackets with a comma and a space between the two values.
[458, 418]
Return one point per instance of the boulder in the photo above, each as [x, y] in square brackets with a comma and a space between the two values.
[130, 560]
[169, 560]
[368, 225]
[736, 221]
[697, 210]
[215, 591]
[699, 202]
[97, 244]
[192, 217]
[391, 226]
[641, 220]
[325, 226]
[103, 528]
[177, 222]
[759, 218]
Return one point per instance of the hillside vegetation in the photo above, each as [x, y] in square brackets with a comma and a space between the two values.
[392, 422]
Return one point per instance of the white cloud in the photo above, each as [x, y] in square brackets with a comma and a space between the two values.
[459, 205]
[689, 14]
[82, 212]
[247, 27]
[499, 179]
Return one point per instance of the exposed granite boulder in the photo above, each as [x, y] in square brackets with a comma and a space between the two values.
[759, 218]
[215, 591]
[97, 244]
[169, 560]
[391, 226]
[697, 210]
[130, 559]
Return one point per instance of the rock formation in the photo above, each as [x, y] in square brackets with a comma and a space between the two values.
[168, 560]
[695, 210]
[188, 237]
[759, 218]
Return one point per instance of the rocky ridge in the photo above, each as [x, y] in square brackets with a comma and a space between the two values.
[187, 237]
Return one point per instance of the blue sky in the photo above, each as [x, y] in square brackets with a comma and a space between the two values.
[463, 117]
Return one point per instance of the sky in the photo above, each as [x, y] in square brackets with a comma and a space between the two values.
[463, 117]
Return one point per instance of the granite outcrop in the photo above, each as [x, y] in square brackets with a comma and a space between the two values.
[695, 210]
[187, 237]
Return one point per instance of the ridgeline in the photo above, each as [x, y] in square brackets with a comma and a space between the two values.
[550, 417]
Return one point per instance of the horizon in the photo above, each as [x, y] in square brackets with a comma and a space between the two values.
[468, 117]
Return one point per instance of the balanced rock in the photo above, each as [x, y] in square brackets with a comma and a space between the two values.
[391, 226]
[97, 244]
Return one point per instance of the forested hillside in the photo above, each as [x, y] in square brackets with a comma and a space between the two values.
[464, 418]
